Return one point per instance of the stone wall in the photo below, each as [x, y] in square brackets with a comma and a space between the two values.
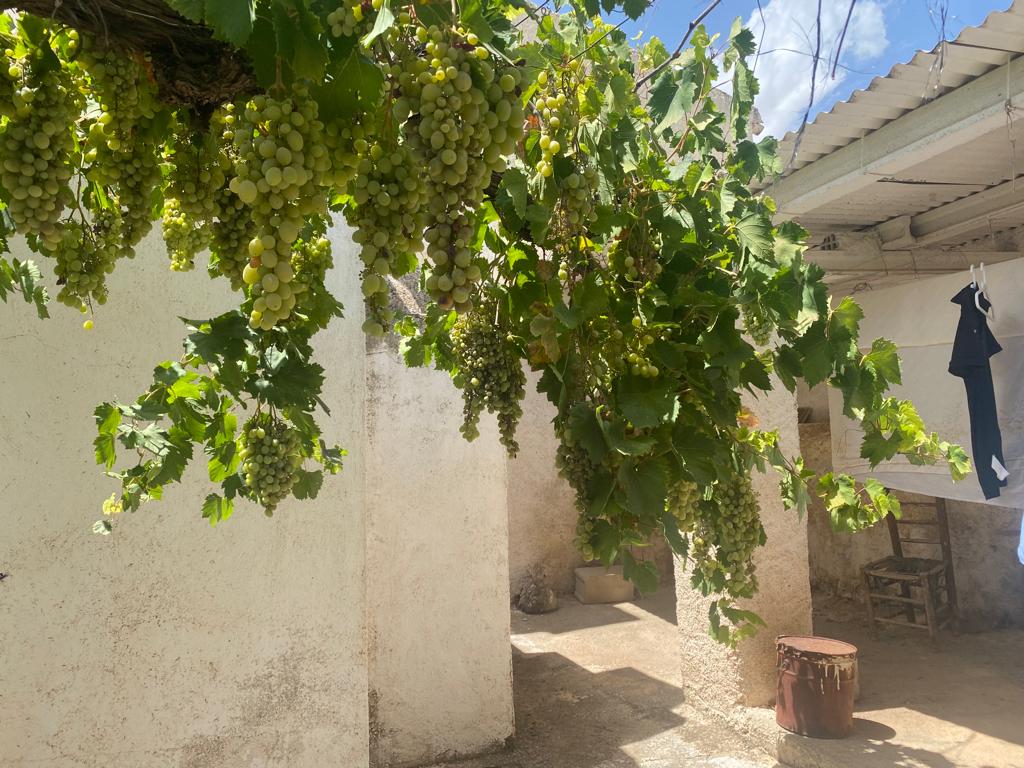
[990, 580]
[168, 643]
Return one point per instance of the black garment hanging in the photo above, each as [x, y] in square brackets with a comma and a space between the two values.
[973, 346]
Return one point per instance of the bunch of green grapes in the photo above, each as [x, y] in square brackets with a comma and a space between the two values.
[36, 144]
[311, 259]
[194, 178]
[683, 498]
[280, 163]
[453, 273]
[183, 235]
[196, 172]
[122, 146]
[757, 324]
[346, 143]
[271, 454]
[558, 119]
[464, 118]
[353, 16]
[85, 256]
[578, 193]
[633, 257]
[575, 467]
[490, 374]
[389, 193]
[725, 540]
[268, 275]
[230, 235]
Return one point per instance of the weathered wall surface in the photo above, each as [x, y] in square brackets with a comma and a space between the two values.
[835, 558]
[715, 678]
[437, 564]
[541, 505]
[990, 580]
[542, 508]
[168, 643]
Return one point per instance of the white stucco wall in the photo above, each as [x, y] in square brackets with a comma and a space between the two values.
[168, 643]
[541, 505]
[437, 560]
[715, 678]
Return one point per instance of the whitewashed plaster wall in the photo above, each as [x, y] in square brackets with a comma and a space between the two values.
[437, 563]
[541, 505]
[168, 643]
[716, 679]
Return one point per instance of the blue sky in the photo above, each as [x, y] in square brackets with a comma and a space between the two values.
[881, 33]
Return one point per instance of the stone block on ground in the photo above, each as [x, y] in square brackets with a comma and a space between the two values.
[597, 584]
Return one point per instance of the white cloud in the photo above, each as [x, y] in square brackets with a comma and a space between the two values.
[784, 66]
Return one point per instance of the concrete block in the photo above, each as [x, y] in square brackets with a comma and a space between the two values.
[597, 584]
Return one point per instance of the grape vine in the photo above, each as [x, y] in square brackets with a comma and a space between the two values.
[556, 214]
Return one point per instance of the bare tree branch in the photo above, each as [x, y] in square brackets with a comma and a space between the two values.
[814, 82]
[679, 48]
[842, 38]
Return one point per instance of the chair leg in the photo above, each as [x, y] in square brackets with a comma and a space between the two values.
[929, 606]
[870, 603]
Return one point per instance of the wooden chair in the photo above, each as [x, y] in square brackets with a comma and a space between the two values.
[902, 588]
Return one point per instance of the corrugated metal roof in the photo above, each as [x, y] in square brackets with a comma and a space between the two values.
[928, 75]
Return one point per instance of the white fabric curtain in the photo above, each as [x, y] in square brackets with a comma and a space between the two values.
[920, 318]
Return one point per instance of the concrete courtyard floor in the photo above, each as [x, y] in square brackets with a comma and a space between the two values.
[597, 686]
[956, 704]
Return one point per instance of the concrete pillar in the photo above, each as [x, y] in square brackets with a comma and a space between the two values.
[715, 678]
[437, 571]
[168, 642]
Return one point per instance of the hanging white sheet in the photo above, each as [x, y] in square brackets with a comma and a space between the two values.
[920, 318]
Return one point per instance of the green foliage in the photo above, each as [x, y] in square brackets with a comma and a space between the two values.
[558, 216]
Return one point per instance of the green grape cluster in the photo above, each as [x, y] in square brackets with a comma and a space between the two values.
[574, 466]
[558, 119]
[634, 254]
[756, 324]
[36, 144]
[311, 259]
[123, 143]
[682, 501]
[183, 235]
[280, 163]
[490, 374]
[196, 171]
[352, 16]
[464, 118]
[230, 235]
[85, 255]
[578, 193]
[269, 275]
[453, 275]
[725, 540]
[388, 219]
[271, 454]
[346, 143]
[194, 178]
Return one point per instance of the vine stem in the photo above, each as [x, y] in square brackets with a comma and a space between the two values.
[679, 48]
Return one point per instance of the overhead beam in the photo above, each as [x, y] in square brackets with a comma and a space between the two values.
[950, 121]
[952, 220]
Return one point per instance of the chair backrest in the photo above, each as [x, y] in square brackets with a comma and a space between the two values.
[932, 528]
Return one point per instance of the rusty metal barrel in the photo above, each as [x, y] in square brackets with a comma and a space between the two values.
[816, 685]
